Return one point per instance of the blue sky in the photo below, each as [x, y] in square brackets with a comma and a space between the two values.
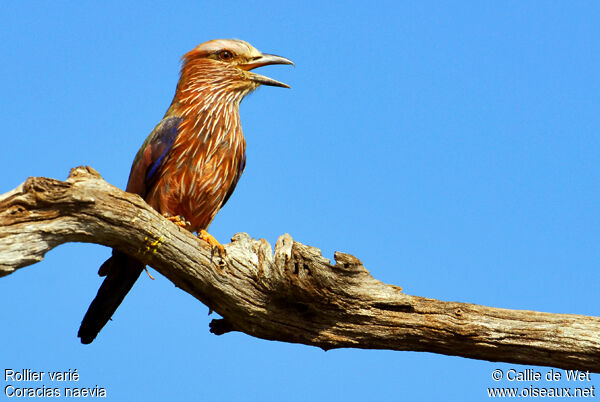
[453, 148]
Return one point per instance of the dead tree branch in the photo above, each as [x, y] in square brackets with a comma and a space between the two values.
[292, 295]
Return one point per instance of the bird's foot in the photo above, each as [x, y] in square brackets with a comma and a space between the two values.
[178, 220]
[214, 243]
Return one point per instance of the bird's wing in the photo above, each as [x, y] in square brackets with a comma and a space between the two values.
[151, 156]
[238, 174]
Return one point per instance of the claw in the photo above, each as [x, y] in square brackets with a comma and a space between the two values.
[214, 243]
[178, 220]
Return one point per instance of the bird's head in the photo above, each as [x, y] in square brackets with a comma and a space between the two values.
[226, 64]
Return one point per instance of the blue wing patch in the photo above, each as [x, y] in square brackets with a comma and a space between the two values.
[151, 157]
[162, 143]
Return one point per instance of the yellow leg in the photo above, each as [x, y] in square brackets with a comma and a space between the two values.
[207, 237]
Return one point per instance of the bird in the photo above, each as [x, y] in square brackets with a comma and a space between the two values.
[190, 164]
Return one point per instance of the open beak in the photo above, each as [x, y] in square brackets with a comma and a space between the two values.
[265, 60]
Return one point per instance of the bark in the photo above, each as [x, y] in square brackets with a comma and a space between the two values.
[291, 295]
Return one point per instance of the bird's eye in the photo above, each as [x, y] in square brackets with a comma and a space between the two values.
[225, 55]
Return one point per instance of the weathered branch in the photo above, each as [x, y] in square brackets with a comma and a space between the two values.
[293, 295]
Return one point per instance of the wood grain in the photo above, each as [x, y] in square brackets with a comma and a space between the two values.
[293, 294]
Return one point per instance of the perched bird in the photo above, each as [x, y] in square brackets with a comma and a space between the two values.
[191, 162]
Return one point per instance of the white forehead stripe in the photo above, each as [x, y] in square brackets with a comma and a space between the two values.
[236, 45]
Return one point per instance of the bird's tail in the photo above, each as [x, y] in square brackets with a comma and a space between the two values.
[121, 272]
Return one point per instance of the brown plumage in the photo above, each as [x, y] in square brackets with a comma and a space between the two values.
[191, 162]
